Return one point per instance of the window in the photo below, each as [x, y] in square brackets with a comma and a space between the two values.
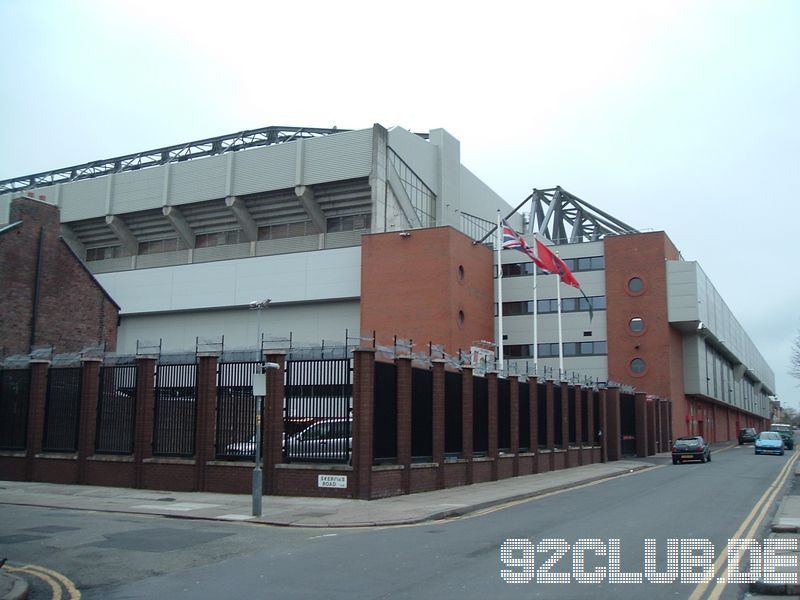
[638, 366]
[349, 223]
[635, 285]
[281, 231]
[636, 324]
[103, 253]
[219, 238]
[570, 304]
[165, 245]
[571, 349]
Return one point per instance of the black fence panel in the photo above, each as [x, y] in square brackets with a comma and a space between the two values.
[524, 417]
[557, 412]
[421, 414]
[319, 408]
[572, 408]
[175, 410]
[453, 431]
[14, 392]
[503, 415]
[585, 425]
[541, 421]
[384, 415]
[627, 419]
[480, 416]
[62, 410]
[116, 410]
[598, 432]
[236, 411]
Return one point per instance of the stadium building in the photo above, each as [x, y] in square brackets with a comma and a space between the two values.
[375, 234]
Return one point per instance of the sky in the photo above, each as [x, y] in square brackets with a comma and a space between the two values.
[679, 116]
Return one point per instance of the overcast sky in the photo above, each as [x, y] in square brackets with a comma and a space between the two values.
[675, 116]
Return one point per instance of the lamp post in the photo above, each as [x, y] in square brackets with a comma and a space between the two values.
[259, 392]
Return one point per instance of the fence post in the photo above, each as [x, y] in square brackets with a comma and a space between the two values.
[467, 415]
[491, 379]
[36, 409]
[403, 364]
[87, 430]
[612, 437]
[514, 410]
[363, 410]
[143, 433]
[602, 402]
[533, 417]
[640, 412]
[205, 422]
[437, 443]
[652, 428]
[578, 393]
[273, 414]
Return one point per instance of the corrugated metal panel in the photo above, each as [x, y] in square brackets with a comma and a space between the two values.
[264, 169]
[162, 259]
[5, 204]
[342, 239]
[83, 199]
[137, 190]
[335, 157]
[112, 264]
[221, 252]
[287, 245]
[202, 179]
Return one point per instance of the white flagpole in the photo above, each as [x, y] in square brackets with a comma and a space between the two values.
[535, 323]
[499, 292]
[560, 340]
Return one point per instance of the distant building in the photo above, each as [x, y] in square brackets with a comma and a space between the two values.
[375, 230]
[47, 295]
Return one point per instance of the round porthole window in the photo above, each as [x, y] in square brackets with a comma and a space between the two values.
[635, 285]
[638, 366]
[636, 324]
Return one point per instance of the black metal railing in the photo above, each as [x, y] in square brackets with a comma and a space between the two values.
[559, 434]
[384, 416]
[175, 410]
[541, 421]
[14, 392]
[421, 414]
[572, 408]
[524, 416]
[236, 411]
[62, 410]
[453, 403]
[116, 410]
[480, 416]
[319, 404]
[503, 415]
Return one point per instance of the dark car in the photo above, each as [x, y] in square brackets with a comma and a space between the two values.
[691, 448]
[786, 432]
[747, 435]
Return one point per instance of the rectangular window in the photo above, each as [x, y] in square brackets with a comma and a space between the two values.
[164, 245]
[349, 223]
[103, 253]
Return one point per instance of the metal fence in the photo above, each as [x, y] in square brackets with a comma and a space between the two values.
[318, 405]
[503, 415]
[175, 410]
[541, 421]
[480, 416]
[14, 391]
[558, 434]
[524, 417]
[384, 416]
[62, 410]
[421, 414]
[116, 410]
[236, 411]
[453, 418]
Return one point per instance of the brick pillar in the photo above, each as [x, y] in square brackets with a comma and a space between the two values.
[404, 419]
[579, 422]
[143, 435]
[36, 408]
[438, 420]
[657, 416]
[205, 424]
[590, 428]
[551, 430]
[613, 426]
[514, 406]
[87, 430]
[363, 398]
[467, 414]
[273, 419]
[640, 412]
[564, 415]
[533, 417]
[602, 407]
[652, 430]
[491, 379]
[666, 427]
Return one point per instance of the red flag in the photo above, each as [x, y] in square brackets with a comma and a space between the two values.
[548, 261]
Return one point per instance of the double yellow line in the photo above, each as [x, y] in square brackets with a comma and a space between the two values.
[52, 578]
[751, 524]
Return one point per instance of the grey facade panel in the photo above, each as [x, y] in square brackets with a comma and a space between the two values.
[221, 252]
[162, 259]
[198, 180]
[295, 244]
[264, 169]
[83, 199]
[337, 157]
[137, 190]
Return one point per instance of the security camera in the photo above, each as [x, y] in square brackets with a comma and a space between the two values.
[404, 234]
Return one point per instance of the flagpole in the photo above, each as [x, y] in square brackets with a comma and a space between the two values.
[499, 291]
[535, 323]
[560, 340]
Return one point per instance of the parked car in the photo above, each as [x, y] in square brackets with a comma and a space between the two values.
[747, 435]
[786, 432]
[693, 447]
[330, 440]
[769, 442]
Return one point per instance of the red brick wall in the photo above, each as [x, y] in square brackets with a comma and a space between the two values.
[73, 312]
[412, 287]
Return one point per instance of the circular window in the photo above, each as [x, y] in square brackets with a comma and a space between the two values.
[461, 317]
[461, 272]
[635, 285]
[636, 324]
[638, 366]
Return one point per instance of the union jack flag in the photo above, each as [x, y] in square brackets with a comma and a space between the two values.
[514, 241]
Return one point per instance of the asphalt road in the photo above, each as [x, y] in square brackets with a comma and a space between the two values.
[119, 557]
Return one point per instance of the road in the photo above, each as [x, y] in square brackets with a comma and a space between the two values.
[125, 556]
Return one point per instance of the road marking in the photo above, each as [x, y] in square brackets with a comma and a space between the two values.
[53, 578]
[754, 519]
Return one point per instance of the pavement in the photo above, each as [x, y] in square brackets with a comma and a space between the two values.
[333, 512]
